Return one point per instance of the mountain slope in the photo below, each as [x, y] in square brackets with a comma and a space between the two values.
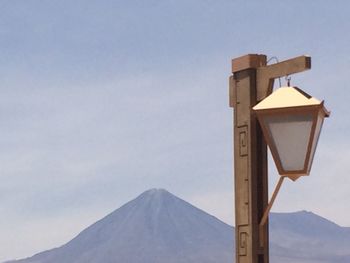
[154, 227]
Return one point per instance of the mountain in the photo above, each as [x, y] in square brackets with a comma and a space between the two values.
[159, 227]
[306, 237]
[156, 227]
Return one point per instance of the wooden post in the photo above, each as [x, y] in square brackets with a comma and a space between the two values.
[250, 162]
[251, 82]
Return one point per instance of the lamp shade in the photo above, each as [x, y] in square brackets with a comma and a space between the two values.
[291, 121]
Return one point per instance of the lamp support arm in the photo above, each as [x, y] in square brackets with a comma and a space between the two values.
[274, 195]
[269, 206]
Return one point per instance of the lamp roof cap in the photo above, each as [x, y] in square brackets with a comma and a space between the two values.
[285, 97]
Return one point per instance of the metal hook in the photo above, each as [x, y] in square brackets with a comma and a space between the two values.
[288, 78]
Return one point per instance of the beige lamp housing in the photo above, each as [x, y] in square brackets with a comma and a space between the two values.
[291, 121]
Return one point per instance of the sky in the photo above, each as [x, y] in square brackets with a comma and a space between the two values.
[102, 100]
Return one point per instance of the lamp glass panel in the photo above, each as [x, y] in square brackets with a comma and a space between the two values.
[318, 128]
[290, 135]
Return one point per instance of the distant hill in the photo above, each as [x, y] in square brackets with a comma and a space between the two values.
[158, 227]
[306, 237]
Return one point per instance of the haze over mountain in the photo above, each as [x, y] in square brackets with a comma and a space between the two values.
[159, 227]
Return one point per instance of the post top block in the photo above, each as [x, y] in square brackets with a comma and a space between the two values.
[248, 61]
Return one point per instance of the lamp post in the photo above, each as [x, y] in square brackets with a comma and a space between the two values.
[289, 121]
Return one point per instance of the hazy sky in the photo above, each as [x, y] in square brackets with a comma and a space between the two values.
[102, 100]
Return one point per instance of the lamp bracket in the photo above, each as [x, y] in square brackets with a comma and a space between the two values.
[268, 208]
[267, 74]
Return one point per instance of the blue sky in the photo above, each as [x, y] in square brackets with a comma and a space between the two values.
[102, 100]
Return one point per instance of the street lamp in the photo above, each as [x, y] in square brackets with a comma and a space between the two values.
[291, 122]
